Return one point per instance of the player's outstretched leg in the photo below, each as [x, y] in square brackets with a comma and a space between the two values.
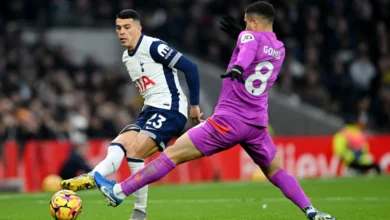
[183, 150]
[292, 190]
[109, 165]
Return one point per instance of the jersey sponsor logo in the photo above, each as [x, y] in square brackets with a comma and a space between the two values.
[164, 51]
[246, 38]
[272, 52]
[144, 83]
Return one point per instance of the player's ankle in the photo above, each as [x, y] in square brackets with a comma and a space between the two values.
[118, 191]
[140, 209]
[309, 209]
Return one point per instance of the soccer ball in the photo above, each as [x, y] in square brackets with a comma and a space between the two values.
[65, 205]
[51, 183]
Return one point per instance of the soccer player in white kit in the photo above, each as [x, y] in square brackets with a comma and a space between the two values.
[152, 66]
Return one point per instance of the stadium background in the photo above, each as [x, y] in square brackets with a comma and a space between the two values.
[61, 79]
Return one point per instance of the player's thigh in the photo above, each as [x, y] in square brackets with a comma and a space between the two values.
[129, 133]
[163, 125]
[152, 151]
[216, 134]
[183, 150]
[126, 139]
[262, 150]
[142, 147]
[160, 127]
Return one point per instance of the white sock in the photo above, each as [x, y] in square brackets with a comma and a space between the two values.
[140, 196]
[118, 191]
[113, 160]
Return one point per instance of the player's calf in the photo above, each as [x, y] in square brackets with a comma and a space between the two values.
[292, 189]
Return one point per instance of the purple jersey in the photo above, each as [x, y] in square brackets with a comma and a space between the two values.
[261, 55]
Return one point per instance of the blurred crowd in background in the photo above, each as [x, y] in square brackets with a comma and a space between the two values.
[337, 59]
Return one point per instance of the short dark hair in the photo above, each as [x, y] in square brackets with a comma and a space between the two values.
[263, 9]
[129, 13]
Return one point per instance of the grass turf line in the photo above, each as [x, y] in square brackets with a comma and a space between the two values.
[358, 198]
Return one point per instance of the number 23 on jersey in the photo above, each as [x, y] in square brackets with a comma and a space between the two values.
[156, 121]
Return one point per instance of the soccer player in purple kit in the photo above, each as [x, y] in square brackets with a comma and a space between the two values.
[240, 118]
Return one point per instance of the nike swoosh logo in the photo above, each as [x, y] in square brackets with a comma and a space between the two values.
[150, 128]
[108, 196]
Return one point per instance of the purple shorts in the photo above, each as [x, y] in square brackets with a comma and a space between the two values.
[219, 133]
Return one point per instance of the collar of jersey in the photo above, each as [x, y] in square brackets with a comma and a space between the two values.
[136, 47]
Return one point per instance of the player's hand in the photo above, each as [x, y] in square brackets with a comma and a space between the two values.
[195, 114]
[231, 27]
[235, 73]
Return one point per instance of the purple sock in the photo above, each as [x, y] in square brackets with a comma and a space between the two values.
[290, 188]
[152, 172]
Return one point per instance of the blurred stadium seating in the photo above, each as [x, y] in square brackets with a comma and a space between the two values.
[338, 60]
[334, 59]
[64, 91]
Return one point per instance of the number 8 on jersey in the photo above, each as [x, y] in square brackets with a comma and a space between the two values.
[259, 76]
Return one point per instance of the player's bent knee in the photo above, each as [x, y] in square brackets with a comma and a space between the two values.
[273, 167]
[183, 150]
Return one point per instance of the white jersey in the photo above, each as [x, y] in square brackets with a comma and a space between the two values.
[151, 68]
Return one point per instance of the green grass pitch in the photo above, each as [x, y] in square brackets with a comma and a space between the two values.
[358, 198]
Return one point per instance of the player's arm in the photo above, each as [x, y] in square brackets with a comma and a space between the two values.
[248, 46]
[171, 58]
